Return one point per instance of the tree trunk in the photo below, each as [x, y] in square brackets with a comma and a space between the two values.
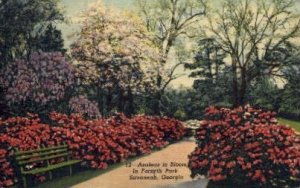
[156, 108]
[108, 102]
[235, 87]
[243, 87]
[121, 100]
[157, 103]
[130, 108]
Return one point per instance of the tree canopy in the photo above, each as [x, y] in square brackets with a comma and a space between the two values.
[172, 21]
[21, 22]
[258, 38]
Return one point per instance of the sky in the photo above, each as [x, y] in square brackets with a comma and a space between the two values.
[73, 8]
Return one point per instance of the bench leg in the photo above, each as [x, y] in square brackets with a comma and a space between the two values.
[24, 182]
[50, 175]
[70, 169]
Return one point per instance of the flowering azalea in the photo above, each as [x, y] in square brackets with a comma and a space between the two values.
[245, 145]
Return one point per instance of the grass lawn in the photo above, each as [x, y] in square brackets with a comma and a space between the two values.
[291, 123]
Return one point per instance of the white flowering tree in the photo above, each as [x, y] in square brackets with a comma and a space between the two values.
[116, 53]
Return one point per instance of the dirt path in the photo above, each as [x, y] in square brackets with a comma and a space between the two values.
[175, 154]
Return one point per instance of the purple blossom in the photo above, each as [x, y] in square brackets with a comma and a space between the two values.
[84, 106]
[44, 78]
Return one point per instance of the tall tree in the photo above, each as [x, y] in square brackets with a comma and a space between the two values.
[257, 37]
[171, 21]
[290, 105]
[211, 73]
[20, 23]
[117, 55]
[49, 41]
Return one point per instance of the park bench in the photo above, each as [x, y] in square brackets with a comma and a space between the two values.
[43, 155]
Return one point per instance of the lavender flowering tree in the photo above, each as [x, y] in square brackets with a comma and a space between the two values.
[39, 84]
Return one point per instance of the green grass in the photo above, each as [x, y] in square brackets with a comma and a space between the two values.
[290, 123]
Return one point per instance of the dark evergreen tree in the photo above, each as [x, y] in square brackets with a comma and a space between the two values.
[21, 21]
[213, 76]
[290, 106]
[264, 93]
[49, 41]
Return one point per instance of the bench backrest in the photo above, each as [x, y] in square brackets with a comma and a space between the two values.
[42, 154]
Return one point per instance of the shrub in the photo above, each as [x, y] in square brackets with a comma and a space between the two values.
[98, 142]
[245, 146]
[84, 106]
[103, 142]
[38, 83]
[180, 114]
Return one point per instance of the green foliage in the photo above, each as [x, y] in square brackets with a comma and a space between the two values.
[49, 41]
[183, 104]
[290, 106]
[21, 22]
[180, 114]
[264, 93]
[213, 77]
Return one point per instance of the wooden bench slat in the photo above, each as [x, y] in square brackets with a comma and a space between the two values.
[42, 159]
[37, 154]
[40, 150]
[52, 167]
[44, 154]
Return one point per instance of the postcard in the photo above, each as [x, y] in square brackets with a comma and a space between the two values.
[149, 93]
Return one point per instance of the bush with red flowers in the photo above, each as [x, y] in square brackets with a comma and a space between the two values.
[102, 142]
[246, 146]
[98, 142]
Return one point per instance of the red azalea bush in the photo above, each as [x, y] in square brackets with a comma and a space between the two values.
[103, 142]
[246, 146]
[98, 143]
